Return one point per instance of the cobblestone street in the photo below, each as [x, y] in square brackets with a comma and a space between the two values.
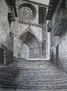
[32, 76]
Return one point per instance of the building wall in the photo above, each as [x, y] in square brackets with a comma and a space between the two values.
[6, 41]
[63, 51]
[4, 25]
[5, 29]
[59, 41]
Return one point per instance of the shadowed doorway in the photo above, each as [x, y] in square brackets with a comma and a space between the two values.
[30, 46]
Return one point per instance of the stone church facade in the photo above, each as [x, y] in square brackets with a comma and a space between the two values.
[30, 35]
[24, 28]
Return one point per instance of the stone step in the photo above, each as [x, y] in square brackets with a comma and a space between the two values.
[33, 75]
[28, 80]
[35, 86]
[31, 90]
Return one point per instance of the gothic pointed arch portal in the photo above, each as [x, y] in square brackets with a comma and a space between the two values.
[29, 29]
[30, 45]
[25, 51]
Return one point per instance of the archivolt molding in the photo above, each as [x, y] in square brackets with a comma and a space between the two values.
[19, 29]
[33, 32]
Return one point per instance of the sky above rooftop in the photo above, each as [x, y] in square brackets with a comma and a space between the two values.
[42, 1]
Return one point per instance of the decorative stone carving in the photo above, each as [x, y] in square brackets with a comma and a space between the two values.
[27, 12]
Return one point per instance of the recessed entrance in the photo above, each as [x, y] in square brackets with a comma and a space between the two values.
[25, 51]
[30, 46]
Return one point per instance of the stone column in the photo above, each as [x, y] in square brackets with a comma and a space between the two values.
[49, 50]
[44, 39]
[40, 50]
[11, 19]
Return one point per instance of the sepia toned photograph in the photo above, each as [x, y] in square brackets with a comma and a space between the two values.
[33, 45]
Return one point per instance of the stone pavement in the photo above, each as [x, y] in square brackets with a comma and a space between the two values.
[30, 90]
[25, 75]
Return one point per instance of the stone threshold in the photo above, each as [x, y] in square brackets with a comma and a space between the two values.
[38, 59]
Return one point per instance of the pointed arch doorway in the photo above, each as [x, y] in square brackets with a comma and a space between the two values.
[24, 51]
[30, 47]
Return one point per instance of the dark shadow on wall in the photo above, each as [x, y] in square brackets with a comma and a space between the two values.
[8, 76]
[7, 55]
[1, 55]
[33, 43]
[59, 61]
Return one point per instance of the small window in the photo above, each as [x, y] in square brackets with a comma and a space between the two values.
[42, 15]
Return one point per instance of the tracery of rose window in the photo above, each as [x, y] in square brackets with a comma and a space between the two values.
[26, 14]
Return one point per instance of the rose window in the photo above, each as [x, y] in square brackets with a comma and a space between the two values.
[27, 14]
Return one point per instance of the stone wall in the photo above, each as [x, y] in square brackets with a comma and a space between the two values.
[5, 29]
[59, 43]
[20, 28]
[63, 52]
[16, 47]
[8, 56]
[4, 25]
[5, 38]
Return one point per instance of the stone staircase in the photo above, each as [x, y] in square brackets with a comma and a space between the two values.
[32, 76]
